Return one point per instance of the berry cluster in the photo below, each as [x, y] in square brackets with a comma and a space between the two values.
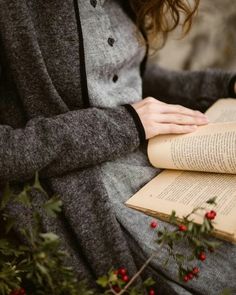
[210, 215]
[20, 291]
[122, 274]
[190, 275]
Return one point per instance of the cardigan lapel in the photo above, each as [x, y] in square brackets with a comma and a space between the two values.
[45, 61]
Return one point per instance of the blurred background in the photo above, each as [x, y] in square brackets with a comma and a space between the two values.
[211, 42]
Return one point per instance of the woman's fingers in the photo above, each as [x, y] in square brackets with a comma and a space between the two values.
[160, 118]
[162, 107]
[177, 109]
[174, 128]
[180, 119]
[152, 129]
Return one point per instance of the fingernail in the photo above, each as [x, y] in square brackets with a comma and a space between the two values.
[205, 119]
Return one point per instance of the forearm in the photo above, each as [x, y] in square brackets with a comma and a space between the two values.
[66, 142]
[105, 134]
[193, 89]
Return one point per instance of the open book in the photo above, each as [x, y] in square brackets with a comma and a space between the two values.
[209, 155]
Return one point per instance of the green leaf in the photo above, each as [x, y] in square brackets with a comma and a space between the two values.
[179, 258]
[226, 292]
[4, 244]
[172, 217]
[23, 198]
[190, 226]
[42, 269]
[148, 282]
[207, 224]
[212, 201]
[45, 272]
[53, 206]
[83, 289]
[50, 237]
[103, 281]
[37, 184]
[10, 222]
[202, 228]
[191, 258]
[159, 234]
[112, 277]
[6, 196]
[170, 244]
[134, 291]
[166, 262]
[37, 225]
[212, 244]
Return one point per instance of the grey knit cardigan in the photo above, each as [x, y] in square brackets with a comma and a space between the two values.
[48, 126]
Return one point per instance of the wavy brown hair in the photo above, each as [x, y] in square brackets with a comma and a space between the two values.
[159, 17]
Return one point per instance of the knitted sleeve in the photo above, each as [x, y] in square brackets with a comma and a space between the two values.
[68, 141]
[193, 89]
[73, 140]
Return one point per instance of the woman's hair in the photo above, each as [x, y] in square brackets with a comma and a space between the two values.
[159, 17]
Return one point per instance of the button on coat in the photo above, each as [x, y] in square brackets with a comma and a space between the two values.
[93, 3]
[111, 41]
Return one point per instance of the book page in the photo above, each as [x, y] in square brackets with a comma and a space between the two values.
[183, 191]
[212, 148]
[224, 110]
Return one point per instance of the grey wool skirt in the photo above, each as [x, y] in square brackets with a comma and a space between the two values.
[122, 178]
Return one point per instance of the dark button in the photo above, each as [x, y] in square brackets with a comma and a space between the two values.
[115, 78]
[111, 41]
[93, 3]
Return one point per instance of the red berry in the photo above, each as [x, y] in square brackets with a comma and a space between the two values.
[182, 227]
[153, 224]
[21, 291]
[186, 279]
[213, 213]
[190, 276]
[195, 270]
[202, 256]
[210, 215]
[116, 288]
[125, 278]
[122, 271]
[151, 292]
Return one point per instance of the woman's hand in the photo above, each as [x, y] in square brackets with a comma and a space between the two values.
[160, 118]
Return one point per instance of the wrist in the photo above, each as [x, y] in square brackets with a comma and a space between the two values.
[138, 122]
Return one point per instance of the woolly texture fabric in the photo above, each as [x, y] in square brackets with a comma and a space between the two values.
[48, 125]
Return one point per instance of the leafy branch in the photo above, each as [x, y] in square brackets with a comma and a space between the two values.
[38, 266]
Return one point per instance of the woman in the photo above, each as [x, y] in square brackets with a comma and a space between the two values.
[71, 108]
